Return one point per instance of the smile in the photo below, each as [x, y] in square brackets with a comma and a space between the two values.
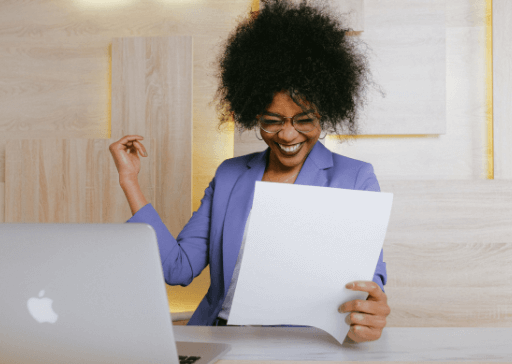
[291, 148]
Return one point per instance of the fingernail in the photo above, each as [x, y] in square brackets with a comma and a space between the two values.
[340, 309]
[145, 154]
[349, 285]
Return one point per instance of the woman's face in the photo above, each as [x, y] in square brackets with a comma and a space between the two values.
[288, 147]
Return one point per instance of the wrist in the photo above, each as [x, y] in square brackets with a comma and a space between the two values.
[128, 182]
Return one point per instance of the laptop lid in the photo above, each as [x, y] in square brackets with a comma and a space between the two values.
[91, 293]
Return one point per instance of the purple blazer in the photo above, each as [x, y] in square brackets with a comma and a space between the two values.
[214, 233]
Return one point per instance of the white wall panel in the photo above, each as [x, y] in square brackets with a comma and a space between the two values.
[351, 10]
[409, 64]
[404, 13]
[458, 154]
[465, 13]
[408, 60]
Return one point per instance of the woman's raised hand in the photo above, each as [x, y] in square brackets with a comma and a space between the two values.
[125, 155]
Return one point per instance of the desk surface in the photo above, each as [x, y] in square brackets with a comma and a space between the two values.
[396, 344]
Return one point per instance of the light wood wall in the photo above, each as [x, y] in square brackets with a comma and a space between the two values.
[55, 67]
[448, 246]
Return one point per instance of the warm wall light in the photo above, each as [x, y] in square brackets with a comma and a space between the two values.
[93, 4]
[182, 2]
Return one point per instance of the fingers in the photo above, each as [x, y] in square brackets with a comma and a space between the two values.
[364, 333]
[130, 143]
[367, 317]
[362, 319]
[141, 148]
[373, 289]
[365, 306]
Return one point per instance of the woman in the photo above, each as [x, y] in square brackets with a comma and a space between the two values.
[291, 72]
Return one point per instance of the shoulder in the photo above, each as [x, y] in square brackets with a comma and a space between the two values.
[360, 174]
[232, 168]
[341, 162]
[232, 165]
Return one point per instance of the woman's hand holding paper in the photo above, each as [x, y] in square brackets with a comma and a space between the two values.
[366, 318]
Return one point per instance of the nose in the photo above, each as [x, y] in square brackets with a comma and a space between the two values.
[288, 132]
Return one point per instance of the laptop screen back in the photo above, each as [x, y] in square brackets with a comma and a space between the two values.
[83, 293]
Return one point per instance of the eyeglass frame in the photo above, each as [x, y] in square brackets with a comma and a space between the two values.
[259, 116]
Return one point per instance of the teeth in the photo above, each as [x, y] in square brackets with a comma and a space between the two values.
[290, 149]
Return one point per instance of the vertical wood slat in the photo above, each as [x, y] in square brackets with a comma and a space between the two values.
[152, 97]
[169, 120]
[502, 87]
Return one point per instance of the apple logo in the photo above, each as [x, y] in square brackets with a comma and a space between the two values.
[41, 309]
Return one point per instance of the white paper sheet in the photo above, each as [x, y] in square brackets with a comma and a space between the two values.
[304, 243]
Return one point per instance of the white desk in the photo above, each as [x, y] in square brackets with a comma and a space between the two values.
[396, 344]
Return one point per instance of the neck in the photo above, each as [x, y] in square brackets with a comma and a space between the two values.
[274, 167]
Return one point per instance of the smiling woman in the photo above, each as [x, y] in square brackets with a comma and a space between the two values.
[289, 143]
[291, 72]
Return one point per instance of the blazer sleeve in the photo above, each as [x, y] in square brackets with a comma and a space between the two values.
[185, 257]
[367, 181]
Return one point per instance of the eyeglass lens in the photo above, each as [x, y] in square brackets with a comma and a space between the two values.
[274, 124]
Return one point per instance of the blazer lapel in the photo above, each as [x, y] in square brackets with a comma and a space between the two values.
[238, 208]
[313, 172]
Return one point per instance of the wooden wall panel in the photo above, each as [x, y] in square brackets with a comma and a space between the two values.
[442, 264]
[45, 181]
[447, 253]
[152, 97]
[502, 87]
[450, 307]
[77, 181]
[55, 62]
[450, 211]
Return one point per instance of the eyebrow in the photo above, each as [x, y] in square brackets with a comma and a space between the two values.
[274, 114]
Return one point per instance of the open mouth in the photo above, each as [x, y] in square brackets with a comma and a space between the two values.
[290, 149]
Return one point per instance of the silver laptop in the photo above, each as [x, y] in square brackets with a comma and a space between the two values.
[86, 293]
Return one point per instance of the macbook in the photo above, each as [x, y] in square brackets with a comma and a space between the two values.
[87, 293]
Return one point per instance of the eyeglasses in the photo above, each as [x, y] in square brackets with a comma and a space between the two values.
[273, 123]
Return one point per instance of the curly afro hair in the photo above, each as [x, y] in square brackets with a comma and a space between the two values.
[296, 48]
